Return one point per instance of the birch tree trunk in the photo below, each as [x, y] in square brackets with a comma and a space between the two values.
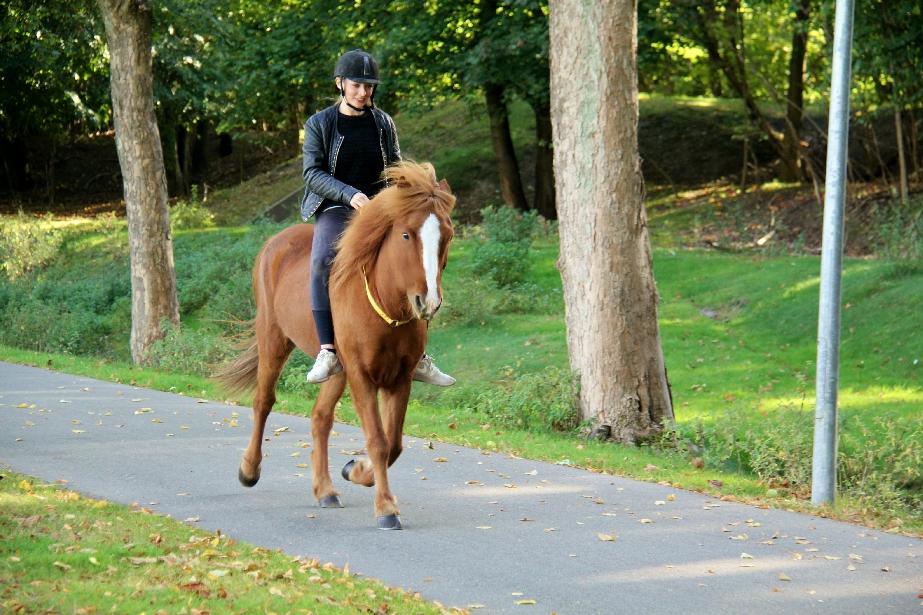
[153, 279]
[610, 297]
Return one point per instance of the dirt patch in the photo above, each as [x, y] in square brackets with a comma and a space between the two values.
[784, 219]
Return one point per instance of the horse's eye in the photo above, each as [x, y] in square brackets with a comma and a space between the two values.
[406, 236]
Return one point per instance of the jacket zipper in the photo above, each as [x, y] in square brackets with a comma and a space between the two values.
[336, 152]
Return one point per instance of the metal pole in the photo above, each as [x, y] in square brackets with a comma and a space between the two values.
[823, 486]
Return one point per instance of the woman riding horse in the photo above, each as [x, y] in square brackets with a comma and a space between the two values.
[385, 286]
[346, 148]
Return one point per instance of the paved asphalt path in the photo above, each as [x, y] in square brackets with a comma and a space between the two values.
[480, 529]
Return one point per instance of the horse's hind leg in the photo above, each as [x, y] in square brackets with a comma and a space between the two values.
[274, 349]
[321, 423]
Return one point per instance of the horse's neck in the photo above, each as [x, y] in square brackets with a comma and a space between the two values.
[390, 299]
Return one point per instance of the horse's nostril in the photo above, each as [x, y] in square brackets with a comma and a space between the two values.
[420, 304]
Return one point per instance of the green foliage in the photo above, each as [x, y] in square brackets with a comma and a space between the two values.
[879, 459]
[189, 351]
[899, 231]
[27, 244]
[546, 400]
[502, 255]
[191, 213]
[52, 69]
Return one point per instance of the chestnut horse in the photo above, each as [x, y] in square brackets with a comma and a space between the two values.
[385, 285]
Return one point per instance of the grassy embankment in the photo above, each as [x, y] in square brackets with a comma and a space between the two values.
[738, 332]
[63, 553]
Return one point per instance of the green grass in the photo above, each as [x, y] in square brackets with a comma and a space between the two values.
[738, 334]
[738, 331]
[61, 552]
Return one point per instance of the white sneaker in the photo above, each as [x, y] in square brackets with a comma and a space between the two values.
[325, 365]
[430, 374]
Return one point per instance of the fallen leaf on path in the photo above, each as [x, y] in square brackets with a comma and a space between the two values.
[440, 459]
[746, 556]
[784, 577]
[483, 527]
[525, 602]
[606, 537]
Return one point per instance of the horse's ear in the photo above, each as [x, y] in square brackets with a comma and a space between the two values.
[444, 185]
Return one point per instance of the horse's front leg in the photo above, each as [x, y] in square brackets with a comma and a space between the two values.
[321, 422]
[374, 470]
[393, 411]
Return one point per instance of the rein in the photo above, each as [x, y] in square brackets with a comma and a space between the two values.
[390, 321]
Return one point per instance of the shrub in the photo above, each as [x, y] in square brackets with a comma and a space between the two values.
[898, 231]
[502, 255]
[27, 244]
[878, 461]
[188, 351]
[541, 401]
[191, 213]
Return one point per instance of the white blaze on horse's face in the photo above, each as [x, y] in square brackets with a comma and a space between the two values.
[430, 236]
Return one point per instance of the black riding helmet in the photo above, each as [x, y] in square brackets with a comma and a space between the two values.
[359, 66]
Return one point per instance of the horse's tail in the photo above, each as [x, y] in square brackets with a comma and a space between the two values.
[240, 376]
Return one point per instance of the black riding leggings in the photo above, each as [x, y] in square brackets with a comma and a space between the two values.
[328, 226]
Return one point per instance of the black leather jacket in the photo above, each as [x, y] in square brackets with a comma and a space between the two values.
[322, 143]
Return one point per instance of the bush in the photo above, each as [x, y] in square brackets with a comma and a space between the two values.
[191, 213]
[878, 462]
[27, 244]
[188, 351]
[502, 255]
[546, 400]
[898, 233]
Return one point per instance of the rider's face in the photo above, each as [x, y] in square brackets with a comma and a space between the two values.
[357, 94]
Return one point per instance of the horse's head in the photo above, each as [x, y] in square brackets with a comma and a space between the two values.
[415, 251]
[405, 231]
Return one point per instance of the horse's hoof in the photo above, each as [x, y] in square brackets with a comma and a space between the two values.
[390, 522]
[348, 468]
[245, 480]
[331, 501]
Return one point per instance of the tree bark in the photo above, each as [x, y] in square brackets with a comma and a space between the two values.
[544, 202]
[511, 189]
[609, 292]
[153, 280]
[901, 159]
[794, 116]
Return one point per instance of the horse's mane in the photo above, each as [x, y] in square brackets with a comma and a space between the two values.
[411, 187]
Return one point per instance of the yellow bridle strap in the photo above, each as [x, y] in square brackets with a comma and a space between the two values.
[368, 293]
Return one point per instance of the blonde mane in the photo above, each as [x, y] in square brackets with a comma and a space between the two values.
[411, 187]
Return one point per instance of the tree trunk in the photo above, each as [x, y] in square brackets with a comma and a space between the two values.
[544, 202]
[901, 159]
[153, 280]
[726, 51]
[200, 158]
[794, 118]
[609, 293]
[176, 183]
[507, 166]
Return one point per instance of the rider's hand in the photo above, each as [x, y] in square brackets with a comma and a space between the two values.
[358, 200]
